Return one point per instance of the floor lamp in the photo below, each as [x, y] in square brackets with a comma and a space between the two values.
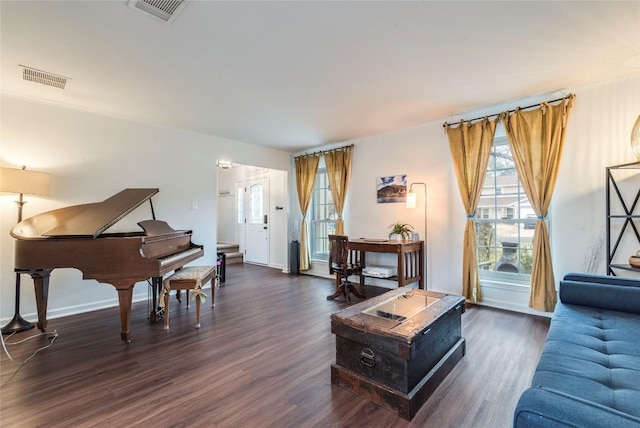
[22, 182]
[411, 203]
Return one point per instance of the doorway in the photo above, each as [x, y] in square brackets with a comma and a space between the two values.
[256, 221]
[252, 214]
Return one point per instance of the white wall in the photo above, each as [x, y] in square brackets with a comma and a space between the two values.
[91, 157]
[227, 221]
[278, 198]
[598, 135]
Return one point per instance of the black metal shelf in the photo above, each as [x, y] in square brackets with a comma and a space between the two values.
[624, 267]
[630, 221]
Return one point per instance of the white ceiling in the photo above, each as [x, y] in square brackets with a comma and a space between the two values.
[297, 74]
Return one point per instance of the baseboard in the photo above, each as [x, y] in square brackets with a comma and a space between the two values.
[509, 297]
[81, 309]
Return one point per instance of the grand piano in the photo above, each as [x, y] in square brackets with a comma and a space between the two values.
[74, 237]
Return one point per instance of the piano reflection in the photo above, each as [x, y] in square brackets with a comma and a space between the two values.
[74, 237]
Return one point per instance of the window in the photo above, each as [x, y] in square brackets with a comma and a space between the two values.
[503, 220]
[240, 201]
[323, 217]
[255, 204]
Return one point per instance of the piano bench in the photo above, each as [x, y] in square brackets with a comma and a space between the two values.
[189, 278]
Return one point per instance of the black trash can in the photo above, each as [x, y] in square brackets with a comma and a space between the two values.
[222, 266]
[294, 257]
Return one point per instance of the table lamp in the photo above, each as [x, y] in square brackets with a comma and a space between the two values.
[22, 182]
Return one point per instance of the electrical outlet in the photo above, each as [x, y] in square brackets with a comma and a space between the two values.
[194, 205]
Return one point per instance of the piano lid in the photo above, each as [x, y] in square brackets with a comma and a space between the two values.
[87, 220]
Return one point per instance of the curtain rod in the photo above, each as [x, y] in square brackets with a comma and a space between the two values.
[321, 152]
[444, 125]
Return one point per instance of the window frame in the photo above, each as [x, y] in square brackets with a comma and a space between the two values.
[514, 215]
[319, 228]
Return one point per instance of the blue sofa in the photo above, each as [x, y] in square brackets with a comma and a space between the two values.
[588, 375]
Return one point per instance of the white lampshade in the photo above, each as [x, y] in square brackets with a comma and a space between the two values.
[411, 200]
[22, 181]
[635, 138]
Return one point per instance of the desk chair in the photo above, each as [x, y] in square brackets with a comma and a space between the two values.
[342, 267]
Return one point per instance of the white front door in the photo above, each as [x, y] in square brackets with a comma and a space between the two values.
[256, 212]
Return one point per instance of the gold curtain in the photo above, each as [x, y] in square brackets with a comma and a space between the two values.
[306, 168]
[470, 145]
[338, 163]
[536, 138]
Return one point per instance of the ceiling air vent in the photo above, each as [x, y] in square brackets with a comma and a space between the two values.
[165, 10]
[44, 77]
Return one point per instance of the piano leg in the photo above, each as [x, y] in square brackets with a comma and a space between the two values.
[157, 313]
[41, 286]
[125, 296]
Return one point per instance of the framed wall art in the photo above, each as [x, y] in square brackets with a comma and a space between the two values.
[391, 189]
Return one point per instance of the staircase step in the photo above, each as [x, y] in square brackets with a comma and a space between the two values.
[234, 257]
[228, 247]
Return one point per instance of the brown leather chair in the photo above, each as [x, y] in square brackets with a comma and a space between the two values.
[342, 266]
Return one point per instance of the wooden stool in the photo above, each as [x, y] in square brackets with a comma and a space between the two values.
[189, 278]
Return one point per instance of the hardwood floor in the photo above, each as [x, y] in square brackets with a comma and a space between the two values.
[261, 359]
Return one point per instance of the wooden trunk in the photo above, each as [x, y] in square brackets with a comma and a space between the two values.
[396, 348]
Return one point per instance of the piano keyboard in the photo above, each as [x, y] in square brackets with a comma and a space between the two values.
[180, 256]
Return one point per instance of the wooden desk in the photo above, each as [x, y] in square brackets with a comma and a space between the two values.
[410, 258]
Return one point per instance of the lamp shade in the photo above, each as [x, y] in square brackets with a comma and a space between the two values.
[411, 200]
[22, 181]
[635, 138]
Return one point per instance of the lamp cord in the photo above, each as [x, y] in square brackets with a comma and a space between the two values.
[53, 335]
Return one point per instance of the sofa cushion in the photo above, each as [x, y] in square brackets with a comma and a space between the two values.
[620, 297]
[601, 279]
[544, 408]
[593, 354]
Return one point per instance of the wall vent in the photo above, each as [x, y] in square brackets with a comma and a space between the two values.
[44, 77]
[164, 10]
